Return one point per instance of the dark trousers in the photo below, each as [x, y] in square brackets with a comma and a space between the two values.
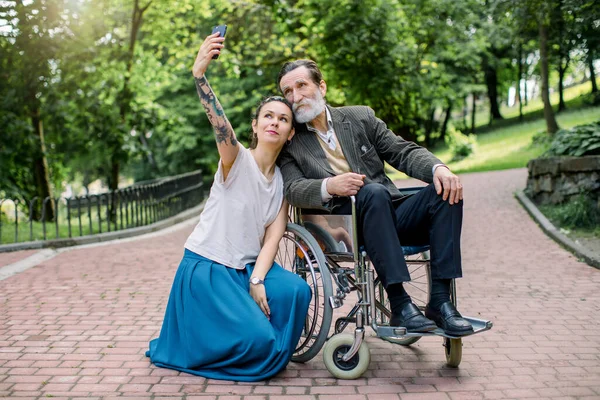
[416, 220]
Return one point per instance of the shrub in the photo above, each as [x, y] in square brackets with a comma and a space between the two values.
[461, 145]
[582, 140]
[541, 139]
[591, 99]
[580, 212]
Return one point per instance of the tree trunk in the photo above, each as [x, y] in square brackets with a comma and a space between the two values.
[561, 56]
[429, 127]
[525, 95]
[590, 60]
[114, 173]
[40, 173]
[491, 81]
[465, 110]
[551, 125]
[446, 120]
[520, 75]
[473, 114]
[561, 87]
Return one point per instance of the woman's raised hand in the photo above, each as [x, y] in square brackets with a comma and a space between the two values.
[212, 46]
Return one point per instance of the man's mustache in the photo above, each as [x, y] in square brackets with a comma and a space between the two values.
[301, 103]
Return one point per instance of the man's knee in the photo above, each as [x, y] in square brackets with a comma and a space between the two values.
[373, 192]
[431, 192]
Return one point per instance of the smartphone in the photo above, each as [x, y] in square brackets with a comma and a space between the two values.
[222, 29]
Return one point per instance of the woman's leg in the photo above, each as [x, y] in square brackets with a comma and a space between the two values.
[288, 296]
[213, 327]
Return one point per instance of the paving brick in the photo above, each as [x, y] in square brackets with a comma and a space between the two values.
[57, 387]
[295, 390]
[466, 395]
[424, 396]
[269, 390]
[382, 396]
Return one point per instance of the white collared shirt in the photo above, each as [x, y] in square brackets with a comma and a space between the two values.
[329, 136]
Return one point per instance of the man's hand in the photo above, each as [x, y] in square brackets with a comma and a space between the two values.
[347, 184]
[448, 183]
[259, 294]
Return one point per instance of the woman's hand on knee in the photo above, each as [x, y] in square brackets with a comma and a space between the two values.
[259, 294]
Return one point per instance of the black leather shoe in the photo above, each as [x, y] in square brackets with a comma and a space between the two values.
[412, 319]
[449, 319]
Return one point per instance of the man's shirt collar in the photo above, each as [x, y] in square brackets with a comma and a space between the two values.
[329, 122]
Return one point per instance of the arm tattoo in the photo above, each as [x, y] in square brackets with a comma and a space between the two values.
[214, 111]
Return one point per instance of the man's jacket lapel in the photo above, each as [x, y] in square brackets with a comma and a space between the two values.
[309, 143]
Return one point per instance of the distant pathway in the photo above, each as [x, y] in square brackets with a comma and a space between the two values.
[77, 326]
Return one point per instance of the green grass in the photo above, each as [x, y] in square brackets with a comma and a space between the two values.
[25, 231]
[509, 147]
[579, 218]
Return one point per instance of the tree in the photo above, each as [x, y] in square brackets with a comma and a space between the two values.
[587, 33]
[499, 36]
[563, 41]
[530, 14]
[31, 40]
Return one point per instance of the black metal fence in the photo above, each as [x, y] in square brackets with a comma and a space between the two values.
[140, 204]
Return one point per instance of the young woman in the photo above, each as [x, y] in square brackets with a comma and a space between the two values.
[233, 313]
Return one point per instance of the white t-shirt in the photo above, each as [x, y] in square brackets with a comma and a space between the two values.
[232, 226]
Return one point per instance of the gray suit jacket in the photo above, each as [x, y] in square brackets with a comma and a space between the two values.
[366, 143]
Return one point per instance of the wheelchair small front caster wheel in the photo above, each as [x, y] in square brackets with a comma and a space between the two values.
[334, 350]
[453, 350]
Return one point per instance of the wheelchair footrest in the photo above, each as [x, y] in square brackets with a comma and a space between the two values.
[479, 325]
[391, 331]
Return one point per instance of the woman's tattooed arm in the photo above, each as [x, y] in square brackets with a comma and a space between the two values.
[223, 131]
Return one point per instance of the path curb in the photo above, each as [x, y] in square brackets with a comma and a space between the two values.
[547, 226]
[104, 237]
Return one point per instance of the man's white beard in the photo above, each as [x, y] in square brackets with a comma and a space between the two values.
[310, 109]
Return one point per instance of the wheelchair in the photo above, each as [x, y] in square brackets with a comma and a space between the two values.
[322, 249]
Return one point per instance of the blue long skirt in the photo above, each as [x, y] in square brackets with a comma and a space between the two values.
[213, 327]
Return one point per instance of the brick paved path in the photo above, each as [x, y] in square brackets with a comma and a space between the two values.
[78, 325]
[13, 257]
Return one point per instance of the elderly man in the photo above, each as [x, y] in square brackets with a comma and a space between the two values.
[340, 152]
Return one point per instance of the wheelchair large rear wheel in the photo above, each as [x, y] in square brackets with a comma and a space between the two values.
[418, 288]
[299, 253]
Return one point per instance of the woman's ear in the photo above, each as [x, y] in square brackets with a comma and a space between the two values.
[254, 122]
